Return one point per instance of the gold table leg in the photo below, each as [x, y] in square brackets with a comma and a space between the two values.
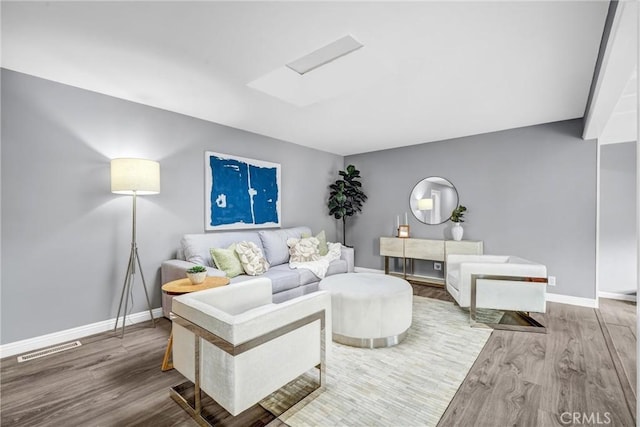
[167, 362]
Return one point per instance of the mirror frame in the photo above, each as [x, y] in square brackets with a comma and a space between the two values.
[420, 189]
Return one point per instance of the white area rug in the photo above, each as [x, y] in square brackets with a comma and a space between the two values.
[410, 384]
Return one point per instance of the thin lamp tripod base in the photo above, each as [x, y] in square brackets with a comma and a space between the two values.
[134, 259]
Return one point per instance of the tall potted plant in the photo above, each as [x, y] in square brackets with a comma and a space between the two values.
[456, 218]
[346, 197]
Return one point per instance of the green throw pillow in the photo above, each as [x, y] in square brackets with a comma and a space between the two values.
[323, 249]
[227, 260]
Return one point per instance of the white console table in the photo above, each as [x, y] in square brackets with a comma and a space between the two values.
[424, 249]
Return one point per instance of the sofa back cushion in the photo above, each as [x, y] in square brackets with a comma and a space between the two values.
[196, 247]
[274, 243]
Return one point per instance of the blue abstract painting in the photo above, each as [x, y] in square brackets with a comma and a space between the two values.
[241, 192]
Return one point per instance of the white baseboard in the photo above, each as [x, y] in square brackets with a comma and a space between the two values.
[563, 299]
[367, 270]
[23, 346]
[567, 299]
[614, 295]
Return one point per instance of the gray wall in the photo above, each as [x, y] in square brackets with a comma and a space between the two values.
[530, 192]
[617, 271]
[60, 220]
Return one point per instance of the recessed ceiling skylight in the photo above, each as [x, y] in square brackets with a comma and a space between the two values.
[338, 68]
[324, 55]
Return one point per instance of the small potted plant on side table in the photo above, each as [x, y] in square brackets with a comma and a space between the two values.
[456, 217]
[197, 274]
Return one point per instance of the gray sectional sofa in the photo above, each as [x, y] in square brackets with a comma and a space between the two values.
[286, 282]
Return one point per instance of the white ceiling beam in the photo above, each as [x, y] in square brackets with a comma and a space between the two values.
[617, 67]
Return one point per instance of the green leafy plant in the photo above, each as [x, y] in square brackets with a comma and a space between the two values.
[196, 269]
[346, 197]
[458, 213]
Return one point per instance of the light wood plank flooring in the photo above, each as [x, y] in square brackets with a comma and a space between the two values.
[521, 379]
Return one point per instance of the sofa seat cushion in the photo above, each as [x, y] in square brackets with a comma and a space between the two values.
[196, 247]
[274, 243]
[282, 278]
[337, 266]
[305, 276]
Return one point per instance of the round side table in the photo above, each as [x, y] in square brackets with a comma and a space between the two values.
[179, 287]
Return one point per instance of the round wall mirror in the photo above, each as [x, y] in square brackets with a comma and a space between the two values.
[433, 199]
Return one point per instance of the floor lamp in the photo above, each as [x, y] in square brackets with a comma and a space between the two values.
[134, 177]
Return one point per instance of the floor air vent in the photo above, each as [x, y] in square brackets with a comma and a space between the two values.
[48, 351]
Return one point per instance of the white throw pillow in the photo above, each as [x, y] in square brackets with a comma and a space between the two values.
[303, 250]
[251, 257]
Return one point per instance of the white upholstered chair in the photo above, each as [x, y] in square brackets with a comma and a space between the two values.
[238, 347]
[497, 282]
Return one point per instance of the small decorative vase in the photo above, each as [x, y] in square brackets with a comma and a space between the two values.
[457, 231]
[197, 278]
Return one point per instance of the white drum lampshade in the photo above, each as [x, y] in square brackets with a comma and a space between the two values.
[425, 204]
[139, 176]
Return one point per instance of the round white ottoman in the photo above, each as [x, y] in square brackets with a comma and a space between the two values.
[369, 310]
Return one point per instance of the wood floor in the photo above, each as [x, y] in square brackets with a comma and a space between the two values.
[530, 379]
[107, 381]
[519, 379]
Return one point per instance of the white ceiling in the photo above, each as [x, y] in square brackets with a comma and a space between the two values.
[457, 68]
